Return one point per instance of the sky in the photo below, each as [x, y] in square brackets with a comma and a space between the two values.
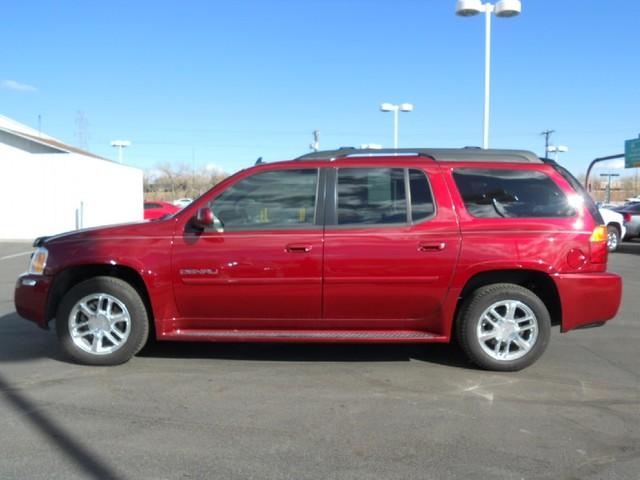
[221, 83]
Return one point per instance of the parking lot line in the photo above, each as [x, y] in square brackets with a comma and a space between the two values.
[15, 255]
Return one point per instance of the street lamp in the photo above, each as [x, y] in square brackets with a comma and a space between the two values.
[395, 108]
[557, 149]
[120, 144]
[503, 8]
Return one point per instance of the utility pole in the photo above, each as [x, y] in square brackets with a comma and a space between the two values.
[315, 145]
[546, 134]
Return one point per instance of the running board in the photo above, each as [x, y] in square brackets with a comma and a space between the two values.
[328, 336]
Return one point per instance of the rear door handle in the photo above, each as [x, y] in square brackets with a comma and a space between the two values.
[431, 246]
[298, 248]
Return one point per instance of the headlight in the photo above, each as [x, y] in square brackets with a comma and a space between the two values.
[38, 261]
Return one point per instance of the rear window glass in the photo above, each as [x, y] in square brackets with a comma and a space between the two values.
[502, 193]
[588, 201]
[421, 200]
[371, 196]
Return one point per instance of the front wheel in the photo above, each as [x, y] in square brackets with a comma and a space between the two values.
[102, 321]
[503, 327]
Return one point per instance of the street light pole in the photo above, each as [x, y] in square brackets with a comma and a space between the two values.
[120, 144]
[395, 127]
[557, 149]
[503, 8]
[395, 108]
[488, 10]
[608, 191]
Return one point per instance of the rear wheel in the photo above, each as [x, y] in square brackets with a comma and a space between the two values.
[503, 327]
[102, 321]
[613, 238]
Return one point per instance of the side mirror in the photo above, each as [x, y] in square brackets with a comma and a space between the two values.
[206, 219]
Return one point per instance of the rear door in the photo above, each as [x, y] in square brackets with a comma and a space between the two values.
[390, 249]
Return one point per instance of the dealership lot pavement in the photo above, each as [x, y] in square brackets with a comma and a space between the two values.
[320, 411]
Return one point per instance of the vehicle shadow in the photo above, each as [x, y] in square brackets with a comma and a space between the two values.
[21, 341]
[442, 354]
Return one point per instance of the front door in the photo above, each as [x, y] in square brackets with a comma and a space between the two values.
[264, 270]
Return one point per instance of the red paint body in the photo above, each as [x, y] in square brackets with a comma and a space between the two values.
[392, 283]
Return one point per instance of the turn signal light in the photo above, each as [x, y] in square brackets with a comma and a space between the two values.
[38, 261]
[599, 234]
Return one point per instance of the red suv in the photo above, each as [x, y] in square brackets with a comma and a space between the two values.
[391, 246]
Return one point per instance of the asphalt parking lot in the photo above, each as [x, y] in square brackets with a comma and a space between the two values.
[320, 411]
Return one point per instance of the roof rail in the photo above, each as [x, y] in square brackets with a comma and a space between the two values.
[438, 154]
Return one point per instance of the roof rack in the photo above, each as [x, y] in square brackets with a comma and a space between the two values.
[467, 154]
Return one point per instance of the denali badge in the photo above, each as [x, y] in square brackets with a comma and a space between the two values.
[198, 271]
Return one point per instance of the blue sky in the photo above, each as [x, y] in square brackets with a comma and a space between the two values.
[225, 82]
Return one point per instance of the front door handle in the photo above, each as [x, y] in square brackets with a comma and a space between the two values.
[298, 248]
[431, 246]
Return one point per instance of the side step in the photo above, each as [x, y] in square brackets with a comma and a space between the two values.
[320, 336]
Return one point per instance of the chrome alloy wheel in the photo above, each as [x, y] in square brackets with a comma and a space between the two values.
[612, 240]
[507, 330]
[99, 324]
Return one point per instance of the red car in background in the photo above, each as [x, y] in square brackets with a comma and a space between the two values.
[156, 210]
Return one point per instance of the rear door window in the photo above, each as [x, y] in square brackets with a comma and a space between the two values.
[381, 196]
[503, 193]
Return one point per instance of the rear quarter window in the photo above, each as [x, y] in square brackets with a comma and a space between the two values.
[504, 193]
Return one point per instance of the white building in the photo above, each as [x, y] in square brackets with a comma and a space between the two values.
[48, 187]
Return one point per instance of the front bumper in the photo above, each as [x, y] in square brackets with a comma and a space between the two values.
[588, 298]
[30, 297]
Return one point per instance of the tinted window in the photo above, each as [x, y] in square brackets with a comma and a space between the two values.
[421, 199]
[276, 199]
[152, 205]
[511, 193]
[371, 196]
[588, 201]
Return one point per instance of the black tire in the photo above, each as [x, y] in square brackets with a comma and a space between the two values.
[129, 335]
[613, 238]
[473, 318]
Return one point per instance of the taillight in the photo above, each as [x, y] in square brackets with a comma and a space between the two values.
[598, 243]
[626, 217]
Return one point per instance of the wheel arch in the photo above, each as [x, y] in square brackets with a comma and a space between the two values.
[71, 276]
[538, 282]
[616, 225]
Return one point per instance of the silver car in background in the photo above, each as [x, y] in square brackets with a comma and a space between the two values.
[616, 228]
[631, 215]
